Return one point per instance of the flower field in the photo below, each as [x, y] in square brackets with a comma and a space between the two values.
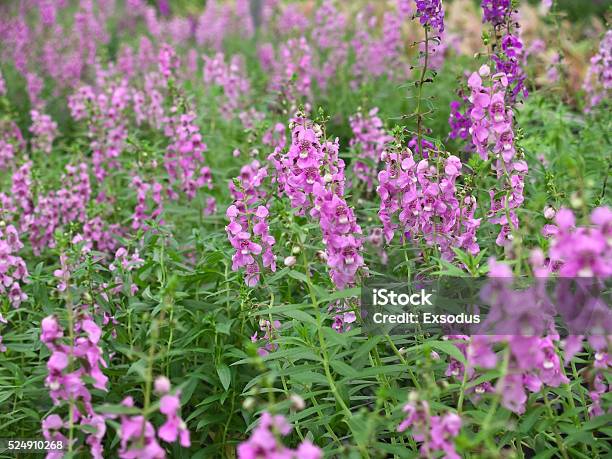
[198, 196]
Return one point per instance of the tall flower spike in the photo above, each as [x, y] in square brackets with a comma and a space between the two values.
[431, 14]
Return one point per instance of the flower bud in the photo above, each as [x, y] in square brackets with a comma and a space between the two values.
[162, 385]
[549, 212]
[484, 71]
[297, 402]
[327, 178]
[290, 261]
[248, 403]
[295, 250]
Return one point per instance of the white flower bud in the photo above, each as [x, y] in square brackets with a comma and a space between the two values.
[248, 403]
[297, 402]
[549, 212]
[290, 261]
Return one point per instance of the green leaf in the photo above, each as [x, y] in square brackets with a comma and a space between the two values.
[298, 276]
[344, 369]
[225, 376]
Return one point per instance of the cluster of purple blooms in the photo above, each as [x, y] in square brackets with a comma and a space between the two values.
[427, 203]
[70, 366]
[267, 330]
[435, 433]
[248, 230]
[534, 343]
[123, 264]
[184, 159]
[44, 131]
[141, 211]
[105, 110]
[431, 14]
[328, 33]
[293, 70]
[231, 78]
[11, 141]
[598, 80]
[492, 132]
[582, 251]
[368, 143]
[265, 441]
[39, 216]
[378, 56]
[13, 270]
[138, 437]
[496, 12]
[312, 175]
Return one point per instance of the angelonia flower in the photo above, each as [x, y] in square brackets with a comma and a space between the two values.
[530, 335]
[70, 366]
[142, 213]
[435, 433]
[174, 428]
[311, 175]
[249, 234]
[437, 50]
[492, 132]
[41, 217]
[405, 8]
[138, 436]
[231, 78]
[328, 33]
[509, 54]
[219, 18]
[101, 235]
[598, 79]
[545, 6]
[184, 159]
[430, 14]
[426, 150]
[122, 265]
[582, 251]
[377, 239]
[460, 123]
[293, 70]
[248, 230]
[11, 141]
[13, 270]
[105, 109]
[34, 86]
[291, 21]
[248, 185]
[267, 330]
[496, 12]
[265, 441]
[600, 388]
[368, 143]
[343, 316]
[510, 59]
[44, 131]
[275, 136]
[426, 203]
[378, 56]
[167, 60]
